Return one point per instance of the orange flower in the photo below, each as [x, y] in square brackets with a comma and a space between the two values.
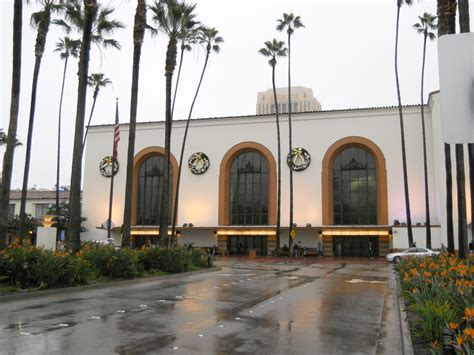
[469, 332]
[453, 325]
[432, 265]
[427, 274]
[468, 312]
[459, 339]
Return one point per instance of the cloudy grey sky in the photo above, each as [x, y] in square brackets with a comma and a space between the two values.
[345, 54]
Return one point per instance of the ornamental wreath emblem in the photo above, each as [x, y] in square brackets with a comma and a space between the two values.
[105, 167]
[299, 159]
[198, 163]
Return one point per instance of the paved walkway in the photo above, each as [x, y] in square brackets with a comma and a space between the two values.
[258, 306]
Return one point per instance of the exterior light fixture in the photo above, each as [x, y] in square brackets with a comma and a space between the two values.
[308, 225]
[48, 220]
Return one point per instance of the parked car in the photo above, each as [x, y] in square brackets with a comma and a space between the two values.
[415, 251]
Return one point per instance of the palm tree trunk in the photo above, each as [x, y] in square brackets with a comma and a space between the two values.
[449, 198]
[464, 25]
[170, 66]
[181, 155]
[177, 79]
[13, 124]
[402, 136]
[26, 170]
[447, 25]
[42, 33]
[461, 193]
[58, 159]
[470, 148]
[425, 159]
[139, 31]
[74, 230]
[290, 140]
[279, 160]
[96, 93]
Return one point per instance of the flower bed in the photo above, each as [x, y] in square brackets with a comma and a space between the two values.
[22, 265]
[439, 294]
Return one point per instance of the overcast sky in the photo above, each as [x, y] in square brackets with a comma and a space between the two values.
[345, 54]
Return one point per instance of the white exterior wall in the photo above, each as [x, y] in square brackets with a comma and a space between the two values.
[315, 132]
[30, 206]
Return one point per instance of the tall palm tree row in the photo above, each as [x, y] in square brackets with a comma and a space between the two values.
[138, 37]
[210, 39]
[402, 129]
[97, 81]
[172, 17]
[41, 20]
[273, 50]
[290, 22]
[447, 25]
[74, 229]
[425, 26]
[66, 47]
[13, 122]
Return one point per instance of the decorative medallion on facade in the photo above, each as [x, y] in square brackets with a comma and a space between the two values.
[105, 167]
[299, 159]
[198, 163]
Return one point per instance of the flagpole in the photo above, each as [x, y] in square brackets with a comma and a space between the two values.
[114, 157]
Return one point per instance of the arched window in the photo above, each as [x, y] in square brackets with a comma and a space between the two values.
[249, 193]
[149, 190]
[354, 176]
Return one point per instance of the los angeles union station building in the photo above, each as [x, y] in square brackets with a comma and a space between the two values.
[348, 180]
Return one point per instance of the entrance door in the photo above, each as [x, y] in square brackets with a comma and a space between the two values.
[355, 245]
[241, 245]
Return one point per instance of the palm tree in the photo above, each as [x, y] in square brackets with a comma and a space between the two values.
[97, 81]
[273, 50]
[41, 20]
[290, 22]
[187, 39]
[447, 25]
[172, 17]
[402, 130]
[138, 35]
[74, 230]
[102, 27]
[426, 24]
[209, 38]
[66, 47]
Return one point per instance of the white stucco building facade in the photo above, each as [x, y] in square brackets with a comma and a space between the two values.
[209, 201]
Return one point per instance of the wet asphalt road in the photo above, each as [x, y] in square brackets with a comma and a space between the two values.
[246, 307]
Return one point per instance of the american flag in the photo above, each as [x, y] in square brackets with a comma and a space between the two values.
[116, 131]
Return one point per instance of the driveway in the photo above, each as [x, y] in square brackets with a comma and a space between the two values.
[265, 306]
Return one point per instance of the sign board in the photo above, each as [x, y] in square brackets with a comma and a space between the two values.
[456, 82]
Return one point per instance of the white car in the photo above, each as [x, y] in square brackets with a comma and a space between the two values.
[415, 251]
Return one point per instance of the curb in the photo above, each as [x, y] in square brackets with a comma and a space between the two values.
[109, 284]
[407, 345]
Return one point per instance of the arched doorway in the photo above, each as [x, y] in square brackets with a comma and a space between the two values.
[247, 196]
[148, 173]
[354, 198]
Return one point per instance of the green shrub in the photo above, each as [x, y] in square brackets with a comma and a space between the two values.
[49, 270]
[198, 257]
[110, 262]
[124, 264]
[173, 260]
[433, 318]
[18, 259]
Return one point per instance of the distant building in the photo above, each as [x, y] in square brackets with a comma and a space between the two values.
[302, 100]
[38, 201]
